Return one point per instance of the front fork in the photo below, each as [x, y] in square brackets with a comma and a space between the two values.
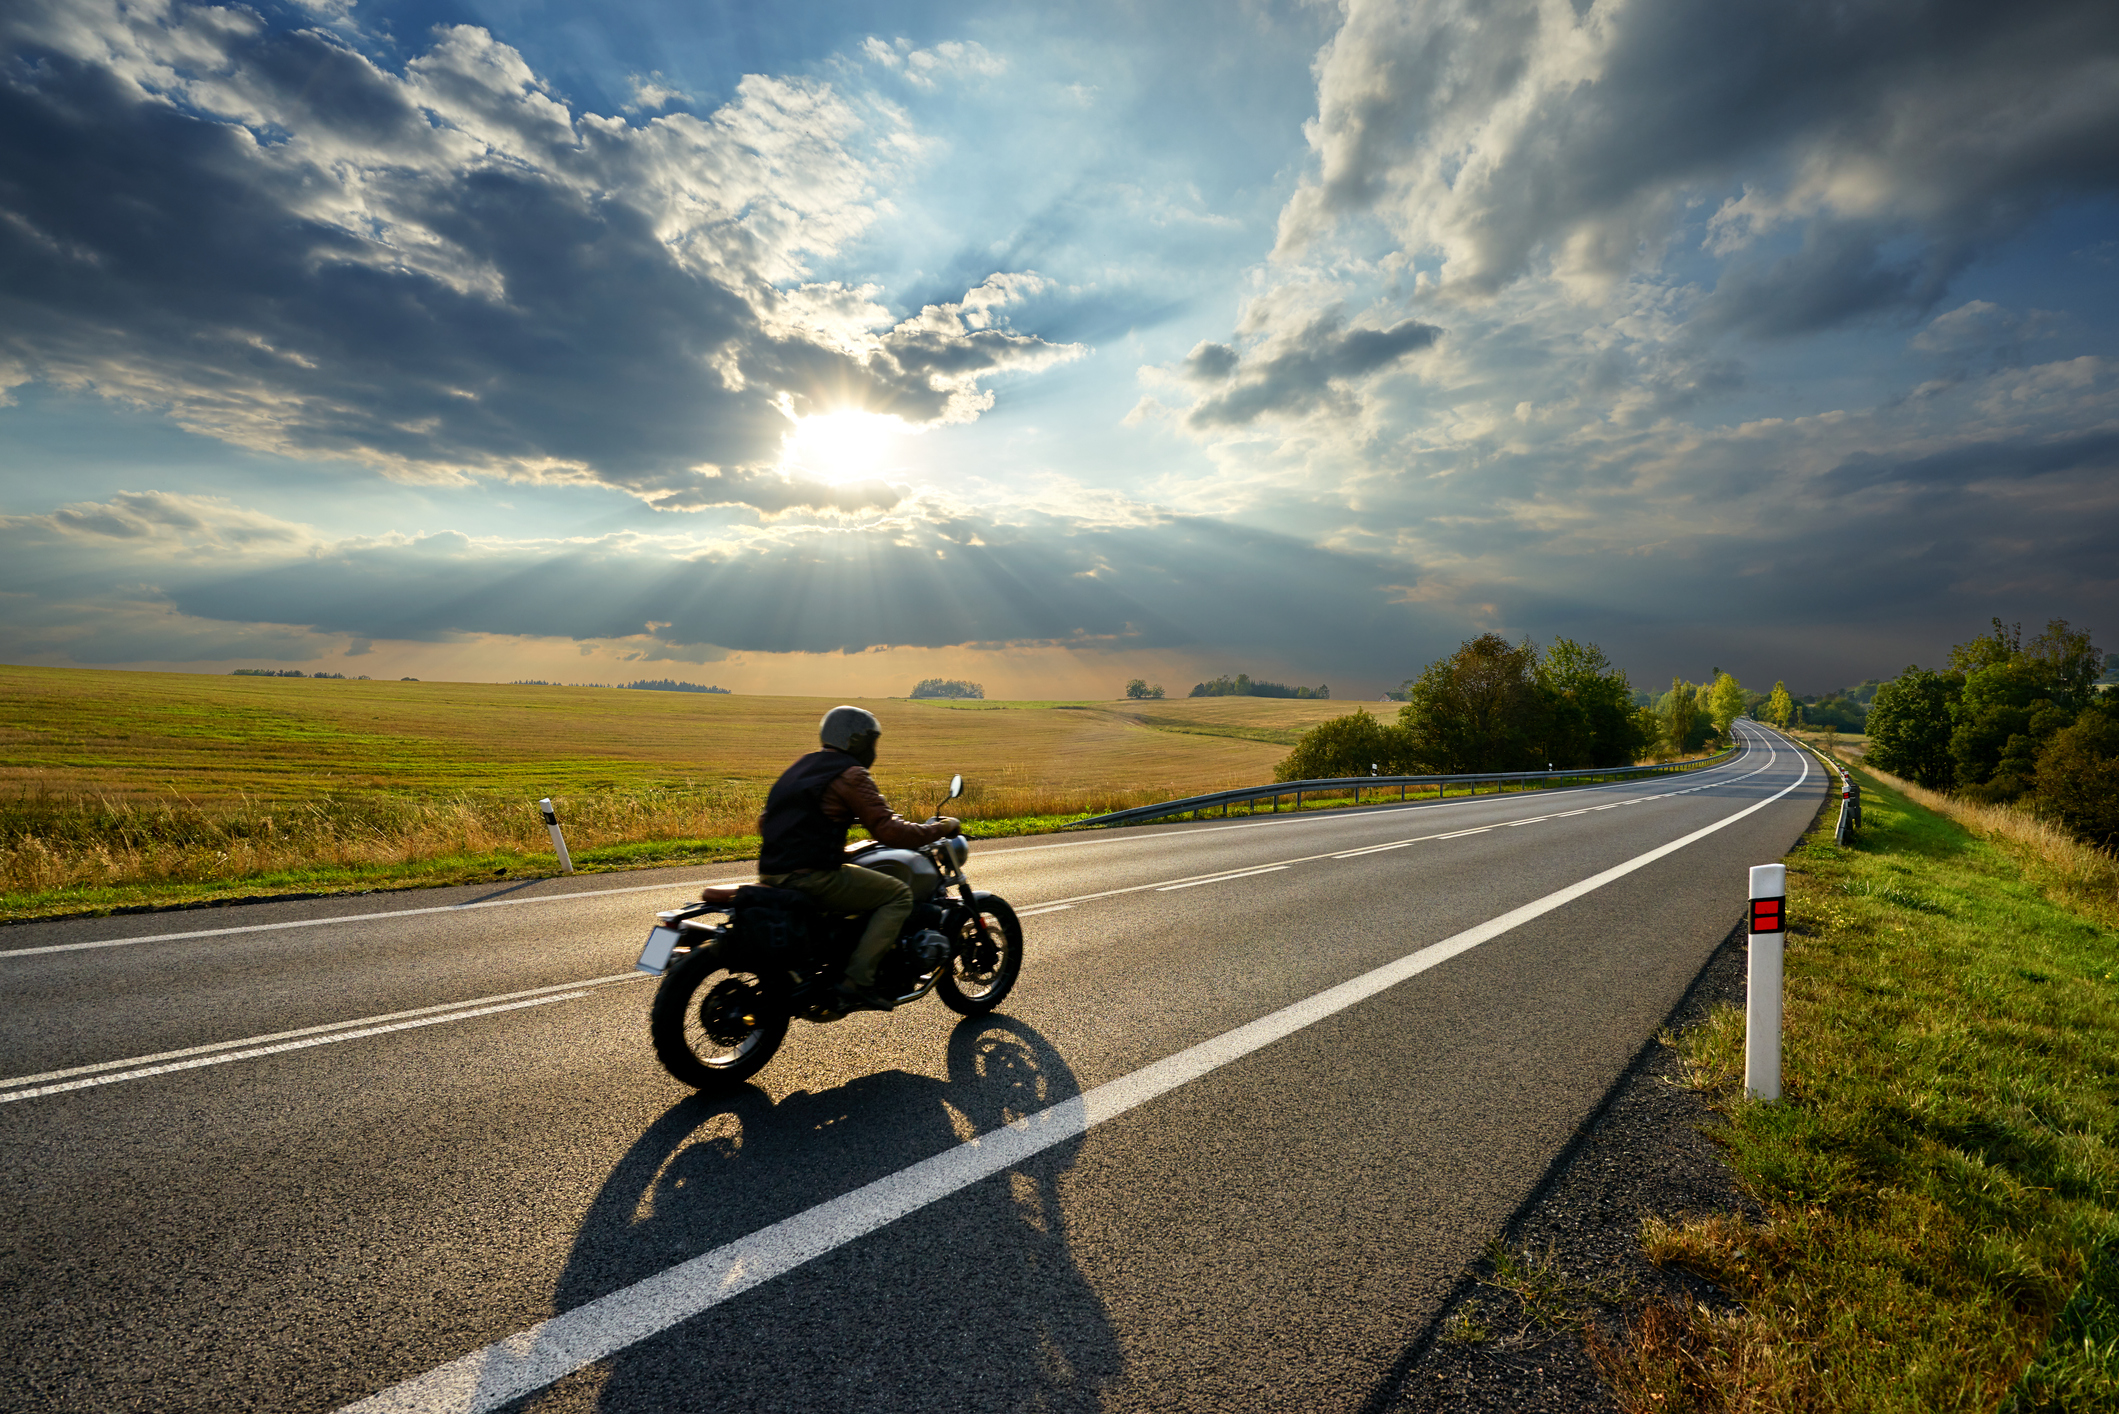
[954, 875]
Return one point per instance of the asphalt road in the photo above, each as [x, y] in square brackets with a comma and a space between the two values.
[322, 1149]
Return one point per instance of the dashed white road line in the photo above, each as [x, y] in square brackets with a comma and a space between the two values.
[530, 1360]
[1222, 878]
[266, 1040]
[366, 917]
[113, 1077]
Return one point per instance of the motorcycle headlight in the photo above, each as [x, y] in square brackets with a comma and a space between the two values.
[959, 849]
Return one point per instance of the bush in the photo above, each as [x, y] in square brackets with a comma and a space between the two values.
[1346, 746]
[2078, 778]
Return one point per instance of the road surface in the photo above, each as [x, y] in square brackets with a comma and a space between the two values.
[1271, 1082]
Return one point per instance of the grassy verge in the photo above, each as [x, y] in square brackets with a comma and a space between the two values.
[1941, 1182]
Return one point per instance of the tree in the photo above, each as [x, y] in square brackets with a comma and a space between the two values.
[1683, 726]
[1780, 706]
[1588, 707]
[1138, 689]
[2078, 777]
[1346, 746]
[2015, 697]
[1725, 702]
[1909, 726]
[1477, 710]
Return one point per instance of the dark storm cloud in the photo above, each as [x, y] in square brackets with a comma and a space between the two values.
[1915, 134]
[1297, 370]
[957, 582]
[2008, 459]
[443, 269]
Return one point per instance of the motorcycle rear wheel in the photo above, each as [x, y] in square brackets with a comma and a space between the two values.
[981, 974]
[714, 1026]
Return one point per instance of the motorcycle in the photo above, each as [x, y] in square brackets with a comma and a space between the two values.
[741, 964]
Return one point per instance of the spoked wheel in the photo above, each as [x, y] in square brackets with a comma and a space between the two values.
[715, 1026]
[982, 971]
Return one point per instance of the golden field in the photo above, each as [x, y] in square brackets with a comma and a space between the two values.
[123, 787]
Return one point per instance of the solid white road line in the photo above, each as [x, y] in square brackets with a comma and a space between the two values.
[532, 1359]
[369, 917]
[159, 1056]
[112, 1078]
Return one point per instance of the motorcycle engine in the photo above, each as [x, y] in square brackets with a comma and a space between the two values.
[927, 948]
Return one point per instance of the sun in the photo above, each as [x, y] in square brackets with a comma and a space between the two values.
[838, 447]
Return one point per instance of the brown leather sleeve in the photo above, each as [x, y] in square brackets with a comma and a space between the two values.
[854, 796]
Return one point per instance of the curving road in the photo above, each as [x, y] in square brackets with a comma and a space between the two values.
[1264, 1089]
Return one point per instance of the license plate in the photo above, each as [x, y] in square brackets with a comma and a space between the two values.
[655, 957]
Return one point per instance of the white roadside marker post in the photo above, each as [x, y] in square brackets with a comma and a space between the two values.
[559, 841]
[1762, 994]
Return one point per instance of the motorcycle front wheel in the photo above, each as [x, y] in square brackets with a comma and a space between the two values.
[715, 1026]
[981, 972]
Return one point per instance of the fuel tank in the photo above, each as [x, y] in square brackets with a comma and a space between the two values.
[906, 864]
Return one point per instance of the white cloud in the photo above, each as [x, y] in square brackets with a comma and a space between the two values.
[924, 68]
[443, 270]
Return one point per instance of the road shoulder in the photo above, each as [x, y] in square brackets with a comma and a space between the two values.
[1568, 1268]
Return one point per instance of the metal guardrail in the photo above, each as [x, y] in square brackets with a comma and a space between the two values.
[1197, 804]
[1849, 794]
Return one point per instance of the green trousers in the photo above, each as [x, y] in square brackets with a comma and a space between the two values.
[852, 889]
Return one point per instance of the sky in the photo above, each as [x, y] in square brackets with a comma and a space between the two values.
[824, 349]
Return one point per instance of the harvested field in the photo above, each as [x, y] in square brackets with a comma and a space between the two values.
[120, 788]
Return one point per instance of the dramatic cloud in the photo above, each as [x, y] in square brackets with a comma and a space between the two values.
[1297, 370]
[941, 580]
[442, 269]
[1774, 336]
[1899, 139]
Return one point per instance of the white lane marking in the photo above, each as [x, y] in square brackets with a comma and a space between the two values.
[89, 1081]
[553, 1349]
[367, 917]
[313, 1030]
[1048, 908]
[1375, 849]
[1223, 878]
[1460, 834]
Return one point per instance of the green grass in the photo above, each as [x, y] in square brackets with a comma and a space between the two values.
[1941, 1180]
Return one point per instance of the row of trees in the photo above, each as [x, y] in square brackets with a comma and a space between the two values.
[947, 687]
[2009, 721]
[1242, 685]
[1493, 705]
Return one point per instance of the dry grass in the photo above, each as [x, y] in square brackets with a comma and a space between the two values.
[2079, 874]
[123, 788]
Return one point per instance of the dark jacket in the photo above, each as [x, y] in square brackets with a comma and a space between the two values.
[815, 802]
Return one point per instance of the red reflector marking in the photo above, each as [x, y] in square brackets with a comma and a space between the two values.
[1766, 915]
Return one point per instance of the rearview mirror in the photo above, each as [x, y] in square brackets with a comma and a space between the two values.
[956, 787]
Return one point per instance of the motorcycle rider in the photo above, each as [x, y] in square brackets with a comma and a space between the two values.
[807, 814]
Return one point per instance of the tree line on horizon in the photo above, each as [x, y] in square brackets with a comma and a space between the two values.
[1494, 706]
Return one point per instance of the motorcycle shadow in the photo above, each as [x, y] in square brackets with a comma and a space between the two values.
[975, 1302]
